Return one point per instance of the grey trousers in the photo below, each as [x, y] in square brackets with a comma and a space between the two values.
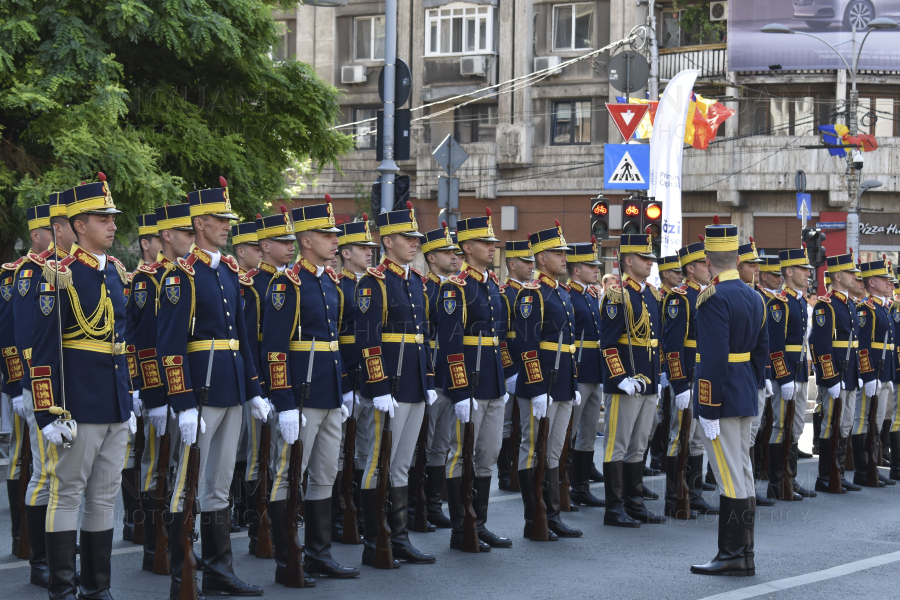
[729, 455]
[508, 416]
[441, 422]
[488, 425]
[895, 416]
[586, 416]
[863, 403]
[405, 426]
[321, 437]
[218, 451]
[89, 471]
[760, 411]
[848, 409]
[627, 427]
[364, 418]
[16, 437]
[150, 458]
[695, 444]
[39, 485]
[779, 406]
[558, 415]
[254, 434]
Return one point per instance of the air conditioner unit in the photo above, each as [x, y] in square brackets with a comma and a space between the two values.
[718, 10]
[354, 74]
[547, 62]
[472, 65]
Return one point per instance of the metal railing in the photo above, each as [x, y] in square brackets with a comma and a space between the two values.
[710, 59]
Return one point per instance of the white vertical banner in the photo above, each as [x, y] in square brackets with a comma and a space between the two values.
[666, 153]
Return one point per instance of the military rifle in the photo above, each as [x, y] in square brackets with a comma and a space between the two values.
[417, 476]
[384, 556]
[787, 433]
[466, 489]
[539, 529]
[264, 548]
[161, 552]
[135, 483]
[872, 435]
[24, 548]
[293, 573]
[348, 486]
[513, 457]
[565, 457]
[834, 476]
[188, 590]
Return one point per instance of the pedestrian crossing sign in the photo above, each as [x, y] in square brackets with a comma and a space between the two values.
[626, 166]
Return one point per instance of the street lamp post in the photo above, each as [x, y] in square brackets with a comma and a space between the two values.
[853, 120]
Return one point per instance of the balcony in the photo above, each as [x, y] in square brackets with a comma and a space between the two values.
[709, 59]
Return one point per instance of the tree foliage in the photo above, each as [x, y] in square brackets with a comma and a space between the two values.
[161, 95]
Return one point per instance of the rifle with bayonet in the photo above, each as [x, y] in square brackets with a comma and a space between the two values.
[682, 491]
[293, 572]
[835, 480]
[513, 457]
[565, 457]
[348, 486]
[872, 417]
[161, 552]
[466, 489]
[138, 517]
[787, 433]
[384, 556]
[417, 474]
[188, 589]
[23, 550]
[264, 547]
[539, 530]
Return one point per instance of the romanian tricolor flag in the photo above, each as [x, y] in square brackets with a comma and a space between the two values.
[703, 120]
[839, 135]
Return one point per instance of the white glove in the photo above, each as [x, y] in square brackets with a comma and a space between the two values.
[136, 405]
[683, 400]
[539, 406]
[18, 405]
[663, 379]
[345, 413]
[462, 410]
[835, 390]
[787, 391]
[159, 418]
[769, 391]
[132, 423]
[859, 383]
[511, 384]
[347, 403]
[385, 404]
[289, 425]
[430, 396]
[577, 400]
[55, 432]
[259, 409]
[187, 423]
[629, 386]
[658, 390]
[871, 388]
[710, 428]
[891, 385]
[505, 398]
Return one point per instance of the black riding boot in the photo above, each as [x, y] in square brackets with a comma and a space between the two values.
[596, 475]
[749, 524]
[357, 487]
[317, 554]
[457, 515]
[12, 493]
[280, 542]
[337, 511]
[613, 488]
[824, 477]
[253, 517]
[580, 492]
[36, 517]
[658, 448]
[129, 504]
[776, 473]
[879, 452]
[504, 469]
[398, 517]
[551, 498]
[795, 452]
[434, 483]
[817, 429]
[695, 485]
[526, 488]
[370, 527]
[148, 504]
[731, 558]
[894, 443]
[709, 482]
[671, 495]
[842, 460]
[96, 569]
[860, 459]
[760, 498]
[61, 565]
[218, 568]
[480, 504]
[633, 479]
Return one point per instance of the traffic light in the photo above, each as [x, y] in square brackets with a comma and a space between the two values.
[652, 222]
[401, 193]
[631, 216]
[600, 217]
[813, 239]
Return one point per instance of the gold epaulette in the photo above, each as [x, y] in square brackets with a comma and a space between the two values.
[493, 276]
[245, 279]
[680, 290]
[458, 279]
[705, 294]
[417, 272]
[334, 276]
[231, 262]
[186, 265]
[59, 275]
[292, 276]
[120, 269]
[147, 268]
[655, 292]
[613, 295]
[12, 266]
[532, 285]
[826, 299]
[38, 259]
[377, 272]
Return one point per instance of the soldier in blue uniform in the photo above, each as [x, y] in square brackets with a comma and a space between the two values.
[355, 247]
[893, 435]
[583, 266]
[83, 297]
[199, 309]
[303, 310]
[874, 324]
[519, 269]
[629, 346]
[470, 306]
[731, 360]
[543, 309]
[680, 350]
[390, 299]
[440, 253]
[176, 234]
[789, 355]
[835, 331]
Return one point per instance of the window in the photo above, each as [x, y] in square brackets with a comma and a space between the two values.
[476, 123]
[571, 123]
[459, 29]
[369, 36]
[573, 26]
[875, 116]
[284, 49]
[365, 132]
[784, 116]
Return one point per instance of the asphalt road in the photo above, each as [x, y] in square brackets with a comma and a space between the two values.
[827, 547]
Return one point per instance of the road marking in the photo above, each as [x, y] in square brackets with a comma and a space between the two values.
[808, 578]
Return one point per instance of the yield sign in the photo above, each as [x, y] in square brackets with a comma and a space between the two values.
[627, 117]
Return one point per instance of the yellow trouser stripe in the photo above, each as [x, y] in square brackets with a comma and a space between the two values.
[18, 430]
[127, 453]
[376, 450]
[724, 470]
[179, 487]
[673, 446]
[613, 417]
[895, 426]
[863, 415]
[282, 466]
[829, 414]
[42, 480]
[54, 487]
[254, 449]
[459, 445]
[152, 467]
[780, 421]
[531, 440]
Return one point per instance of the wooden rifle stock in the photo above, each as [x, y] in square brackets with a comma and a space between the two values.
[264, 548]
[682, 492]
[466, 491]
[420, 516]
[161, 552]
[384, 556]
[539, 530]
[24, 549]
[139, 517]
[834, 474]
[513, 457]
[351, 531]
[293, 577]
[787, 440]
[188, 589]
[872, 458]
[765, 434]
[565, 459]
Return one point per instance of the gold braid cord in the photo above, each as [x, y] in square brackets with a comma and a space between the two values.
[89, 325]
[640, 329]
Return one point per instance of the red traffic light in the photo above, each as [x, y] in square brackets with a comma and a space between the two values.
[653, 211]
[631, 210]
[601, 209]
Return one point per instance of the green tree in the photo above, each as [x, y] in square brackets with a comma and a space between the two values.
[163, 96]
